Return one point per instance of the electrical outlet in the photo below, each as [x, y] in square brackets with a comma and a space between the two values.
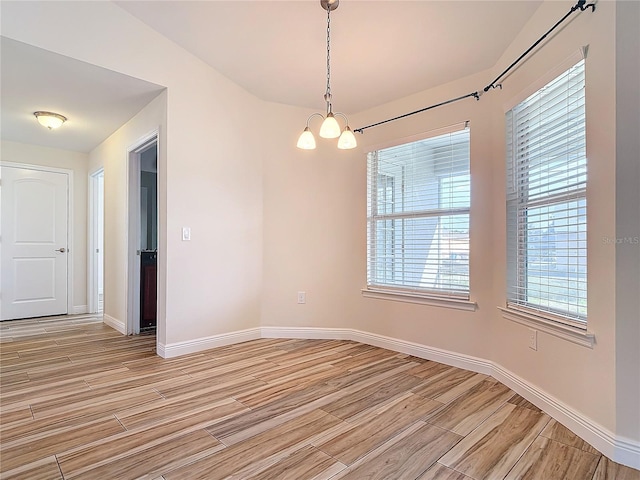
[302, 297]
[533, 339]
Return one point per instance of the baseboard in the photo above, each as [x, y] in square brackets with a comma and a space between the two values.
[115, 323]
[618, 449]
[443, 356]
[621, 450]
[193, 346]
[313, 333]
[78, 310]
[627, 452]
[598, 436]
[459, 360]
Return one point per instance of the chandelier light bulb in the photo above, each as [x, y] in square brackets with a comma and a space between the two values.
[330, 127]
[347, 140]
[306, 141]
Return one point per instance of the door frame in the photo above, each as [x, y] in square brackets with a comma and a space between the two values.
[133, 228]
[92, 240]
[70, 229]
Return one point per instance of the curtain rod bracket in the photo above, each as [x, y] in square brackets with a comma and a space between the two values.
[583, 5]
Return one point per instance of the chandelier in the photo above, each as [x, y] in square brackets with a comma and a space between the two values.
[330, 127]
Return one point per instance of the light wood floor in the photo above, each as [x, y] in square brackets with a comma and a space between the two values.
[80, 401]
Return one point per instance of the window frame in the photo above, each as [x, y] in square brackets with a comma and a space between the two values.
[549, 320]
[409, 293]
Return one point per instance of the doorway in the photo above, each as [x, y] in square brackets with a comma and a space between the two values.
[36, 225]
[143, 236]
[96, 242]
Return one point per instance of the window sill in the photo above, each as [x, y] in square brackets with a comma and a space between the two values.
[557, 329]
[458, 303]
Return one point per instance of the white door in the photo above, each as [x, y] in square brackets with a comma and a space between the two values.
[34, 243]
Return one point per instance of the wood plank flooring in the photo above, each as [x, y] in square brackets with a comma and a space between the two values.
[80, 401]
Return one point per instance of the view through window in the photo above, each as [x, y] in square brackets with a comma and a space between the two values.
[546, 203]
[418, 200]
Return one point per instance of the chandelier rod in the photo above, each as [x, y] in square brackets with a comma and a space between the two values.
[327, 95]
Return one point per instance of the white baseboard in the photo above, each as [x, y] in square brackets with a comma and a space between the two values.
[627, 452]
[115, 323]
[78, 310]
[618, 449]
[598, 436]
[192, 346]
[307, 332]
[438, 355]
[621, 450]
[430, 353]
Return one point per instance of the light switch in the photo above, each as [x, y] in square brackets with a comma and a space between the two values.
[186, 234]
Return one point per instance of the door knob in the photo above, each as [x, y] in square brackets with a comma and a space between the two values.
[61, 250]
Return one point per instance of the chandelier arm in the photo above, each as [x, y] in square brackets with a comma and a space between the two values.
[313, 115]
[340, 114]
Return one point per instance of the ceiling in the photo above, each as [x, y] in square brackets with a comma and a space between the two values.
[96, 101]
[380, 51]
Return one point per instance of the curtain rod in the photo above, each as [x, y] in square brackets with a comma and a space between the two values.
[581, 5]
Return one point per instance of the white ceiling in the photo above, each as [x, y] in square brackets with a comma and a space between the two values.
[96, 101]
[380, 50]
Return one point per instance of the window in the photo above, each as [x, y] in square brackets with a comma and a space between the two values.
[418, 197]
[546, 201]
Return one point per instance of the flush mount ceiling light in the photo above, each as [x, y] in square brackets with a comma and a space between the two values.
[50, 120]
[330, 127]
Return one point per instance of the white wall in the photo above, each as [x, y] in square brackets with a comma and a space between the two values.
[628, 219]
[112, 156]
[78, 163]
[576, 369]
[315, 231]
[210, 178]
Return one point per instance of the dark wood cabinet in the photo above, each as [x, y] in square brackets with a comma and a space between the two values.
[148, 289]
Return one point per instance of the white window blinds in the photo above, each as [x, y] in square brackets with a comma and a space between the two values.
[546, 200]
[418, 197]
